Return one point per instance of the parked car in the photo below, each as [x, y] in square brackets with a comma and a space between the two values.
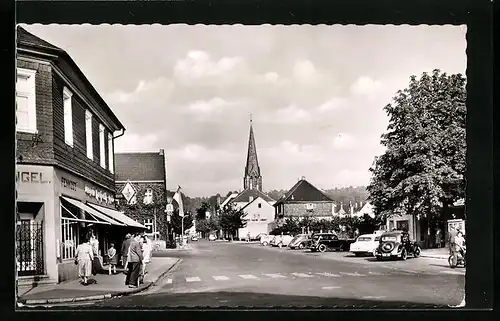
[329, 241]
[281, 240]
[396, 244]
[265, 239]
[212, 237]
[300, 242]
[194, 238]
[365, 244]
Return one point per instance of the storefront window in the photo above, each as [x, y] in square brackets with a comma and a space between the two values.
[69, 240]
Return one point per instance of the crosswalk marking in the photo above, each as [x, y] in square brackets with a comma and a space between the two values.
[375, 273]
[454, 272]
[275, 275]
[248, 277]
[302, 275]
[169, 281]
[373, 297]
[220, 278]
[328, 274]
[352, 274]
[193, 279]
[330, 287]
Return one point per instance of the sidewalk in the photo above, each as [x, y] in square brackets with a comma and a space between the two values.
[441, 253]
[101, 286]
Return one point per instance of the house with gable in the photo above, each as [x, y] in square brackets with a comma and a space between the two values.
[303, 200]
[259, 213]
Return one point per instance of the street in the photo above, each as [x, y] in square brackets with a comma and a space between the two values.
[215, 274]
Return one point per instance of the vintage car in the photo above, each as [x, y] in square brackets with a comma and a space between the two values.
[265, 239]
[329, 241]
[212, 237]
[281, 240]
[300, 242]
[396, 244]
[365, 244]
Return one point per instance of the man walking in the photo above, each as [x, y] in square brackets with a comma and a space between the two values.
[124, 251]
[451, 244]
[135, 258]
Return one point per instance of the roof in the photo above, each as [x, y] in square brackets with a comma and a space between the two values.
[140, 166]
[27, 39]
[245, 195]
[303, 191]
[254, 200]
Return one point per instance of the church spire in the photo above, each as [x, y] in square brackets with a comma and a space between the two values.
[252, 179]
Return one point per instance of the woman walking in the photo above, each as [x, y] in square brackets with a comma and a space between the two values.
[146, 252]
[84, 258]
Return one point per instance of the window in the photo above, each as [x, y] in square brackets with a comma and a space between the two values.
[260, 205]
[25, 101]
[102, 154]
[88, 134]
[111, 153]
[68, 117]
[69, 239]
[148, 196]
[310, 206]
[148, 223]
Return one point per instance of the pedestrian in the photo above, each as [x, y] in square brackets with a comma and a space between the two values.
[96, 263]
[113, 258]
[84, 258]
[248, 237]
[439, 238]
[451, 243]
[124, 251]
[135, 258]
[147, 248]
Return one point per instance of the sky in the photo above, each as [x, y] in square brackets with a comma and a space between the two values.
[316, 94]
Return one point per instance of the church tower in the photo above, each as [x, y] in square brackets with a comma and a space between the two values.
[252, 179]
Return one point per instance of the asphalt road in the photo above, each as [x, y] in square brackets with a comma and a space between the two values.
[221, 274]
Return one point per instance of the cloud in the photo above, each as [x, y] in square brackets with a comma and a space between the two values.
[347, 177]
[130, 142]
[214, 105]
[343, 141]
[144, 90]
[198, 64]
[365, 86]
[271, 76]
[304, 71]
[291, 114]
[293, 153]
[194, 153]
[332, 104]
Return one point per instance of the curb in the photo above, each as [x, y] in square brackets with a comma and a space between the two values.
[36, 302]
[434, 256]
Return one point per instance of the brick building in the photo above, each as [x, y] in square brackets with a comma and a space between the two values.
[302, 200]
[65, 136]
[143, 175]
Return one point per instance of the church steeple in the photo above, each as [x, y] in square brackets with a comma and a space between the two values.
[252, 179]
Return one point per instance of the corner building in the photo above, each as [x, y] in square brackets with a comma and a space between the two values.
[65, 182]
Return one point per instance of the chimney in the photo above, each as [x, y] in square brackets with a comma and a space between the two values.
[303, 178]
[162, 151]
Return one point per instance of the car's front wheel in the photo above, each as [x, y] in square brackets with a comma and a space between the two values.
[416, 253]
[265, 243]
[404, 255]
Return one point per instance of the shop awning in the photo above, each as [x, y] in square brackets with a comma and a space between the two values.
[92, 211]
[119, 216]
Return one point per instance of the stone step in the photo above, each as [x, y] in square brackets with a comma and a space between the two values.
[34, 280]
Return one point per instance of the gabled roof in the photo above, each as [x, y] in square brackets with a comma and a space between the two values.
[26, 40]
[254, 200]
[245, 195]
[140, 166]
[303, 191]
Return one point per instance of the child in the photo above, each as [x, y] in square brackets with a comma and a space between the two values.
[113, 258]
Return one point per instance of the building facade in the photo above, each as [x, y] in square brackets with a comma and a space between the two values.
[141, 179]
[258, 214]
[304, 200]
[65, 136]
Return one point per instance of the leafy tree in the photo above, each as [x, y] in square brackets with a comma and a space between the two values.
[139, 211]
[423, 168]
[202, 227]
[201, 211]
[176, 221]
[231, 219]
[307, 222]
[290, 226]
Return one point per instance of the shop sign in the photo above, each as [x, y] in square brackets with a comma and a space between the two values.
[67, 183]
[99, 195]
[31, 177]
